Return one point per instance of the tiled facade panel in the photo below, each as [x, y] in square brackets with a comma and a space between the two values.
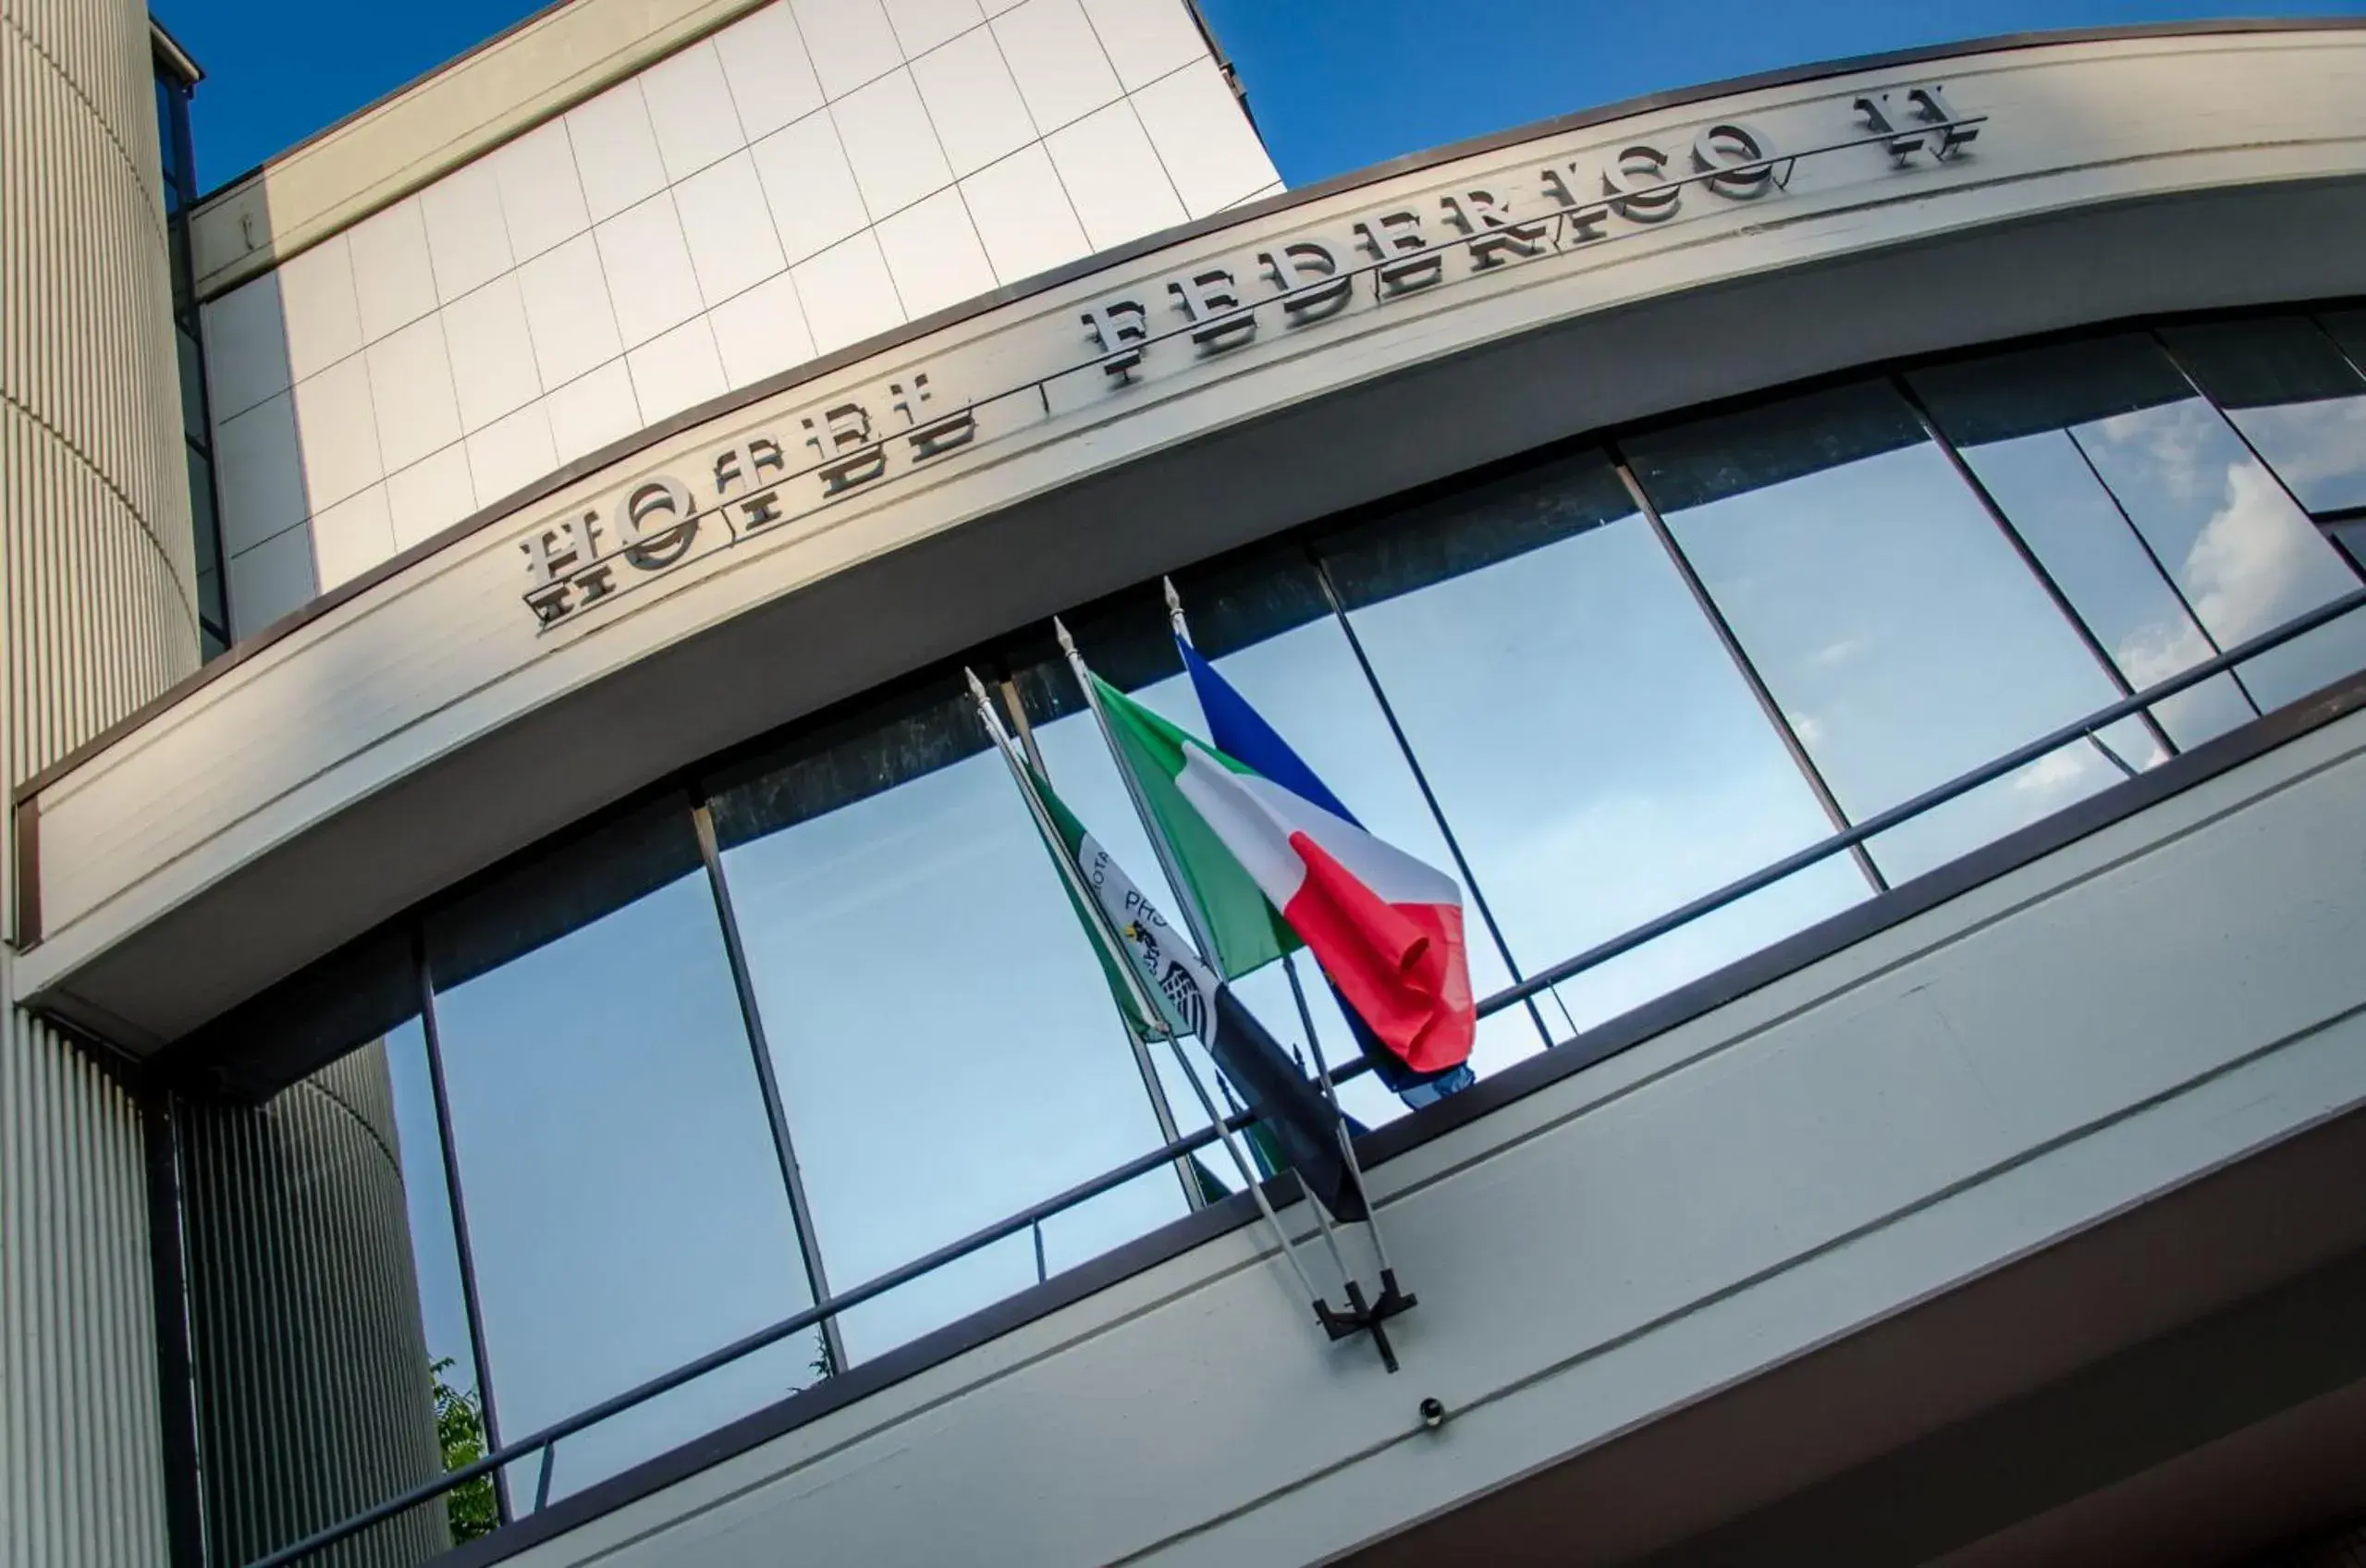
[816, 173]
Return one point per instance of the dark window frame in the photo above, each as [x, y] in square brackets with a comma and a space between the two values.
[179, 170]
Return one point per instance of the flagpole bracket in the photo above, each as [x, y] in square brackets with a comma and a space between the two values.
[1362, 1318]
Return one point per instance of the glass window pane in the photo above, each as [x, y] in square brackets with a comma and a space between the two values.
[2300, 403]
[2044, 485]
[463, 1424]
[2242, 555]
[192, 386]
[1600, 758]
[167, 118]
[1265, 623]
[442, 1304]
[2348, 329]
[211, 639]
[2353, 536]
[1307, 683]
[947, 1048]
[325, 1284]
[1900, 632]
[1076, 1236]
[200, 511]
[625, 1203]
[176, 243]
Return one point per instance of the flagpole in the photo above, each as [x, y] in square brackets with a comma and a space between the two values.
[1123, 962]
[1152, 1085]
[1194, 918]
[1176, 620]
[1346, 1142]
[1167, 1130]
[1322, 1216]
[1180, 626]
[1186, 903]
[1256, 1190]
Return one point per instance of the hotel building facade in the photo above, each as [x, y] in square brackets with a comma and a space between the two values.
[538, 1029]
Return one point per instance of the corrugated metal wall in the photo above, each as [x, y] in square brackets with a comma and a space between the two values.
[96, 587]
[316, 1399]
[80, 1464]
[102, 601]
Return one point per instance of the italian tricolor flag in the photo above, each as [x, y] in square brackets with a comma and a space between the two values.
[1299, 1129]
[1386, 927]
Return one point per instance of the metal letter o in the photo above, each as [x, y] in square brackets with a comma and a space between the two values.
[1647, 197]
[665, 501]
[1738, 159]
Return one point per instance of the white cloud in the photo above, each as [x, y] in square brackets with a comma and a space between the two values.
[2053, 773]
[2248, 570]
[1838, 653]
[2173, 440]
[2311, 444]
[2248, 565]
[2155, 651]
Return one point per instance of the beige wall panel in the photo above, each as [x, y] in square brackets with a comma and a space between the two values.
[555, 59]
[712, 221]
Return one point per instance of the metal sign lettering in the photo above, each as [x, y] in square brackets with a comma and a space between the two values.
[853, 442]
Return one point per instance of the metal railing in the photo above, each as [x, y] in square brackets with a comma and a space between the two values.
[544, 1441]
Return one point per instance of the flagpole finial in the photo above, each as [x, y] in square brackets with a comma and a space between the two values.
[1175, 609]
[1066, 644]
[976, 687]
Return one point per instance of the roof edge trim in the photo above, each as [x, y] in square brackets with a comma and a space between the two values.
[169, 49]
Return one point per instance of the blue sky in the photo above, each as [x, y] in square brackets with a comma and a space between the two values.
[1336, 84]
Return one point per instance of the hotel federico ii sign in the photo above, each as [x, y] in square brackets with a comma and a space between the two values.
[765, 481]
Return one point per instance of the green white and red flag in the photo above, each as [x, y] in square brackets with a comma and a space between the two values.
[1298, 1129]
[1386, 927]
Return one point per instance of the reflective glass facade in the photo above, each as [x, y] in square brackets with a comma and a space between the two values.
[816, 1010]
[180, 169]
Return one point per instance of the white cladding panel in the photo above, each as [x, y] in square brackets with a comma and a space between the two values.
[783, 189]
[2076, 1038]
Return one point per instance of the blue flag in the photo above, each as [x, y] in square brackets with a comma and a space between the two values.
[1240, 732]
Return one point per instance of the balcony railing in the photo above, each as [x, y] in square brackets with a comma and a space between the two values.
[542, 1446]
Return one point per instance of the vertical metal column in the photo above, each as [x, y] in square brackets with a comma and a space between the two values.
[2252, 447]
[176, 1350]
[1428, 796]
[460, 1210]
[2037, 569]
[2176, 589]
[1748, 671]
[784, 1146]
